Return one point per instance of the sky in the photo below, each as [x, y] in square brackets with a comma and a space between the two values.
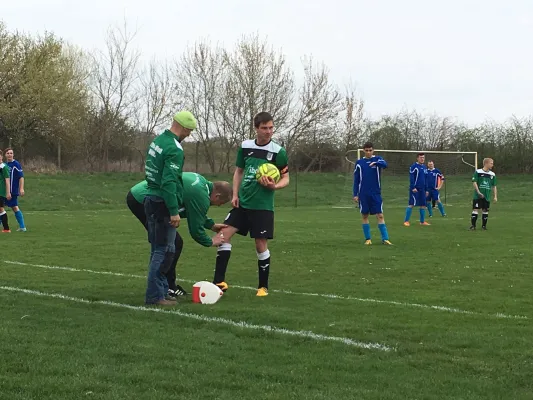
[470, 60]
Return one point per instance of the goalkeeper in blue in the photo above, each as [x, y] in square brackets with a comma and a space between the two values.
[367, 191]
[434, 181]
[417, 189]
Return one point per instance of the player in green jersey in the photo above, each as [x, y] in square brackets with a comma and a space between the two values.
[484, 181]
[5, 193]
[253, 200]
[198, 195]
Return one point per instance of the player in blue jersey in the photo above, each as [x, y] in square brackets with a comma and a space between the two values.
[17, 187]
[367, 191]
[434, 181]
[417, 189]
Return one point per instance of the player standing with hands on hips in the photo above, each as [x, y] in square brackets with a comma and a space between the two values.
[434, 183]
[164, 197]
[253, 200]
[367, 191]
[417, 189]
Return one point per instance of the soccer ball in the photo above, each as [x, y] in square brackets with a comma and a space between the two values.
[270, 170]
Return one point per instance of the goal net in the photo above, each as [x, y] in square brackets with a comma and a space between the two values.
[457, 168]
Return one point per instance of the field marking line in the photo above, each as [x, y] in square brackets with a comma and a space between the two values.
[203, 318]
[324, 295]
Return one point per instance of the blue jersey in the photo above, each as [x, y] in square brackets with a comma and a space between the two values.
[15, 172]
[417, 177]
[366, 178]
[432, 179]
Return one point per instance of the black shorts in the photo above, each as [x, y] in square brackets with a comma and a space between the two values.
[3, 201]
[260, 223]
[480, 204]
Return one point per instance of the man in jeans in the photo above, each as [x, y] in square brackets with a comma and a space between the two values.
[199, 195]
[164, 197]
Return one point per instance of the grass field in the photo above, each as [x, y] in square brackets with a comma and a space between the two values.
[445, 313]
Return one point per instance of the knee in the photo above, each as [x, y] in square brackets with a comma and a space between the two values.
[380, 218]
[15, 209]
[227, 233]
[261, 245]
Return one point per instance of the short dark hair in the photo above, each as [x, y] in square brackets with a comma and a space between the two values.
[420, 154]
[368, 145]
[262, 118]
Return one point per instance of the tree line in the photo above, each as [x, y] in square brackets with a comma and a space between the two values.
[73, 109]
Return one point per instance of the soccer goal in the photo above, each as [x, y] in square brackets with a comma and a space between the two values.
[456, 166]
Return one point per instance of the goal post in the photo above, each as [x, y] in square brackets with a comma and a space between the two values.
[454, 165]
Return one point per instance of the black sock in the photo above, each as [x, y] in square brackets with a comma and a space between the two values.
[221, 264]
[474, 219]
[4, 221]
[263, 266]
[484, 219]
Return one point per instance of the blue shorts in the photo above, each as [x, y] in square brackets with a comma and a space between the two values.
[370, 204]
[14, 202]
[433, 195]
[417, 199]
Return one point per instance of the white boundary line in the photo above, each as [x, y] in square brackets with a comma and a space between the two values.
[203, 318]
[325, 295]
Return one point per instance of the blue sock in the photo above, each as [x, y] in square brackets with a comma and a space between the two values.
[383, 230]
[430, 210]
[366, 231]
[422, 215]
[20, 218]
[441, 209]
[408, 213]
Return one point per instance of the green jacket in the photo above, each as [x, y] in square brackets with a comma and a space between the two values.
[163, 170]
[196, 203]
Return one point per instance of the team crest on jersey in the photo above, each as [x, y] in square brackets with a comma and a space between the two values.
[269, 156]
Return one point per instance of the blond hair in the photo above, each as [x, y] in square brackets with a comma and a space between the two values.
[224, 190]
[487, 160]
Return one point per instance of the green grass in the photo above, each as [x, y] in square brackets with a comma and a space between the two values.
[476, 348]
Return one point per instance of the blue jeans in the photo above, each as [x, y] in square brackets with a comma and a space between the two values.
[161, 236]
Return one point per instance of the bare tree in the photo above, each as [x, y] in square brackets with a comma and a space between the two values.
[198, 76]
[112, 82]
[259, 80]
[352, 127]
[318, 104]
[156, 100]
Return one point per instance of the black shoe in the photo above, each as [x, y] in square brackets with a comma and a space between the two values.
[179, 291]
[484, 228]
[472, 227]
